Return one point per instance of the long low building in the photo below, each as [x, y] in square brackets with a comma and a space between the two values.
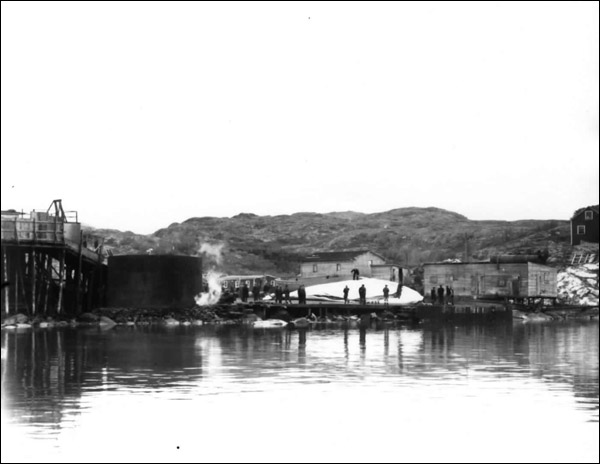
[341, 264]
[234, 282]
[492, 279]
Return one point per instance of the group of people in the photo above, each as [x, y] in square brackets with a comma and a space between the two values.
[441, 296]
[244, 291]
[362, 294]
[281, 294]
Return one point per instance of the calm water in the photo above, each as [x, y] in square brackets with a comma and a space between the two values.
[452, 393]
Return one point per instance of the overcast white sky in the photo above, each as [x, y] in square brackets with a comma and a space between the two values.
[142, 114]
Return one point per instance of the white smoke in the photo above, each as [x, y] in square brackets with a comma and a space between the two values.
[214, 290]
[214, 250]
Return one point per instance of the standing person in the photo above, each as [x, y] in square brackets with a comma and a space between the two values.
[346, 290]
[386, 295]
[266, 288]
[451, 295]
[432, 295]
[440, 294]
[362, 293]
[448, 292]
[355, 274]
[245, 292]
[286, 294]
[302, 295]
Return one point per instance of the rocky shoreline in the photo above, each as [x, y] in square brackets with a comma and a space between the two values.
[241, 314]
[558, 314]
[248, 314]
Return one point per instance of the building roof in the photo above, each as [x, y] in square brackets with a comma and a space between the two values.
[246, 277]
[337, 256]
[487, 262]
[587, 208]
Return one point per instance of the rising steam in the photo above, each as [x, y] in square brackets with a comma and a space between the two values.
[214, 290]
[213, 250]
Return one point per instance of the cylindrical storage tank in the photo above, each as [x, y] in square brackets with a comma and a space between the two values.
[72, 231]
[153, 281]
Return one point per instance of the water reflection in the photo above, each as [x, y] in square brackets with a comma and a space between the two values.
[49, 376]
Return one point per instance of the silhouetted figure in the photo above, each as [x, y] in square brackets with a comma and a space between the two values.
[346, 290]
[278, 295]
[302, 295]
[355, 274]
[245, 293]
[286, 294]
[362, 293]
[433, 295]
[386, 295]
[440, 294]
[267, 288]
[450, 295]
[256, 292]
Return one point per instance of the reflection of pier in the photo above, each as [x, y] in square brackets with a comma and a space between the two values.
[465, 312]
[49, 264]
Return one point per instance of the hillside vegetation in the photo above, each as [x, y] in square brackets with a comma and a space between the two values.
[408, 236]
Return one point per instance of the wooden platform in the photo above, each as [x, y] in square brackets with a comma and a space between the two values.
[48, 264]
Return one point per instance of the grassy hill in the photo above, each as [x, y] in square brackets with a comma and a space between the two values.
[408, 236]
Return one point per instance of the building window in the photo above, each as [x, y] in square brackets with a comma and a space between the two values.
[449, 278]
[433, 280]
[501, 282]
[315, 268]
[237, 284]
[546, 277]
[338, 267]
[580, 230]
[589, 215]
[370, 262]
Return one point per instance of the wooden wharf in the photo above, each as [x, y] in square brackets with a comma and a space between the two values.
[48, 265]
